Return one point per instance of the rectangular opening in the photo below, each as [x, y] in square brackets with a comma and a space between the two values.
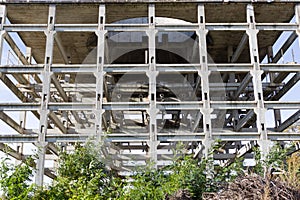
[201, 19]
[77, 50]
[98, 97]
[0, 20]
[152, 59]
[47, 60]
[51, 20]
[171, 121]
[100, 60]
[152, 97]
[42, 129]
[81, 88]
[203, 59]
[222, 119]
[205, 96]
[186, 43]
[44, 97]
[117, 41]
[151, 20]
[251, 19]
[255, 59]
[101, 20]
[207, 127]
[259, 96]
[216, 46]
[263, 126]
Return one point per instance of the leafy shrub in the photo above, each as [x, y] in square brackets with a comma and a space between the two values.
[82, 174]
[15, 180]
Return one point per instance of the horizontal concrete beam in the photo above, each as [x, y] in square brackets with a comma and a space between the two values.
[142, 68]
[168, 137]
[140, 28]
[133, 106]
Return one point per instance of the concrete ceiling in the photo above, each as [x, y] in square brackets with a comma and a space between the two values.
[75, 44]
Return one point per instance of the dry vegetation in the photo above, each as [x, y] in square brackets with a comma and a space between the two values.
[254, 187]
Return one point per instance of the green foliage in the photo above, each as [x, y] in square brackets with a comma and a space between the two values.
[81, 163]
[277, 156]
[274, 160]
[219, 174]
[258, 168]
[82, 174]
[15, 180]
[185, 173]
[146, 184]
[188, 173]
[229, 173]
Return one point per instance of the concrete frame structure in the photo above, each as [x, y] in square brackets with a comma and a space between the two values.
[244, 104]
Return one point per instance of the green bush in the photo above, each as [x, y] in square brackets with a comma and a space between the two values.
[82, 174]
[15, 180]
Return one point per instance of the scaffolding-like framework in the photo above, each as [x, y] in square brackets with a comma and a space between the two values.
[130, 76]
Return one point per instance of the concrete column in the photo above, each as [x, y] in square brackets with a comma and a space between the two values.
[44, 111]
[297, 13]
[256, 73]
[2, 22]
[99, 74]
[152, 74]
[203, 72]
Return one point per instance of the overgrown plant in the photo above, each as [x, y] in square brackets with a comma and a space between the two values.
[220, 174]
[82, 174]
[291, 175]
[15, 180]
[184, 174]
[275, 160]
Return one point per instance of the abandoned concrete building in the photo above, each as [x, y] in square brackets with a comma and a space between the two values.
[143, 76]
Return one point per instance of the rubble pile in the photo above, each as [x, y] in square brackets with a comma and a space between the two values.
[254, 187]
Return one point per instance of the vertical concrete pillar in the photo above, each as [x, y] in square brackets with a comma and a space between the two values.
[256, 73]
[44, 111]
[297, 13]
[204, 73]
[2, 22]
[152, 74]
[99, 74]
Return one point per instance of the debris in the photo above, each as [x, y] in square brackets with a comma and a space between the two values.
[180, 195]
[254, 187]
